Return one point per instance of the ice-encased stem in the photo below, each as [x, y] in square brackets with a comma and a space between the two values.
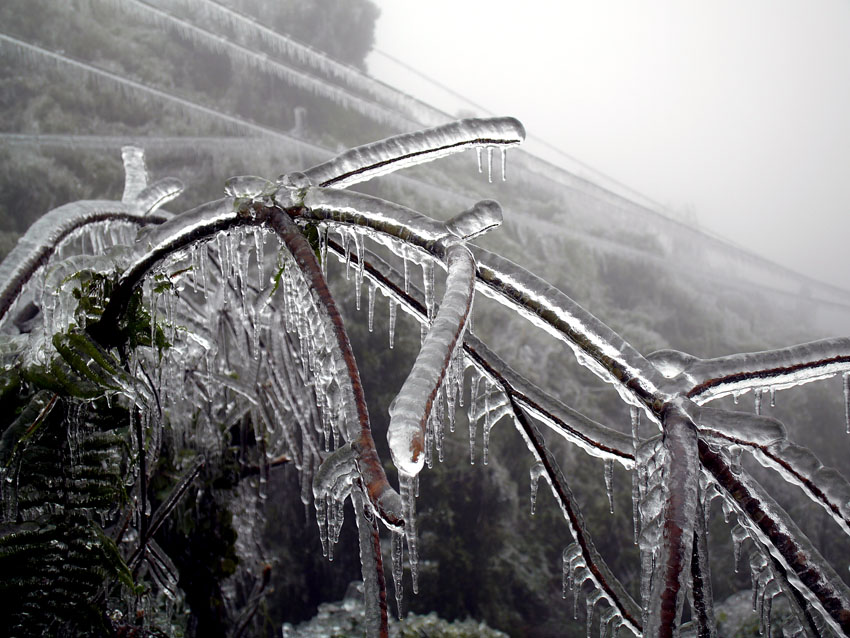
[371, 564]
[36, 246]
[412, 406]
[702, 605]
[402, 151]
[791, 552]
[595, 438]
[598, 572]
[703, 380]
[596, 346]
[672, 569]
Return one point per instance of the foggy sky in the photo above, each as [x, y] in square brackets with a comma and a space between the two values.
[734, 113]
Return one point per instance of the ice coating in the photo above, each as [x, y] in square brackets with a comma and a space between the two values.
[412, 406]
[246, 186]
[142, 197]
[374, 213]
[155, 195]
[597, 347]
[135, 173]
[595, 438]
[707, 379]
[199, 222]
[483, 216]
[740, 427]
[664, 596]
[805, 568]
[36, 246]
[402, 151]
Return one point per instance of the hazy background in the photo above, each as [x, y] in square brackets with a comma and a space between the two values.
[733, 115]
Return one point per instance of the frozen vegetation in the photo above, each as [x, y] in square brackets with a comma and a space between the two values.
[124, 328]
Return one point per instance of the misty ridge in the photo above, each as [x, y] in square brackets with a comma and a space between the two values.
[211, 90]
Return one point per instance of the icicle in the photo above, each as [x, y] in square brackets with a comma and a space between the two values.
[472, 417]
[408, 499]
[485, 430]
[259, 244]
[490, 164]
[461, 372]
[606, 619]
[429, 440]
[757, 400]
[504, 163]
[636, 503]
[406, 269]
[323, 248]
[735, 397]
[478, 155]
[450, 390]
[739, 535]
[772, 397]
[202, 260]
[371, 306]
[592, 600]
[361, 265]
[428, 287]
[728, 510]
[322, 520]
[609, 483]
[634, 414]
[392, 321]
[346, 247]
[536, 470]
[397, 562]
[846, 382]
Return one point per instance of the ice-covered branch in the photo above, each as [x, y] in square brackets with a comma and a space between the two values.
[703, 380]
[411, 408]
[596, 439]
[805, 569]
[41, 240]
[765, 438]
[402, 151]
[672, 558]
[584, 563]
[595, 345]
[702, 604]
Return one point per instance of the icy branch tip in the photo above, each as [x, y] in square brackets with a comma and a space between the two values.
[246, 186]
[507, 130]
[135, 173]
[483, 216]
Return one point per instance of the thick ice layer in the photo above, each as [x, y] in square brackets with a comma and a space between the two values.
[707, 379]
[740, 427]
[483, 216]
[37, 245]
[374, 213]
[135, 173]
[596, 346]
[402, 151]
[412, 406]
